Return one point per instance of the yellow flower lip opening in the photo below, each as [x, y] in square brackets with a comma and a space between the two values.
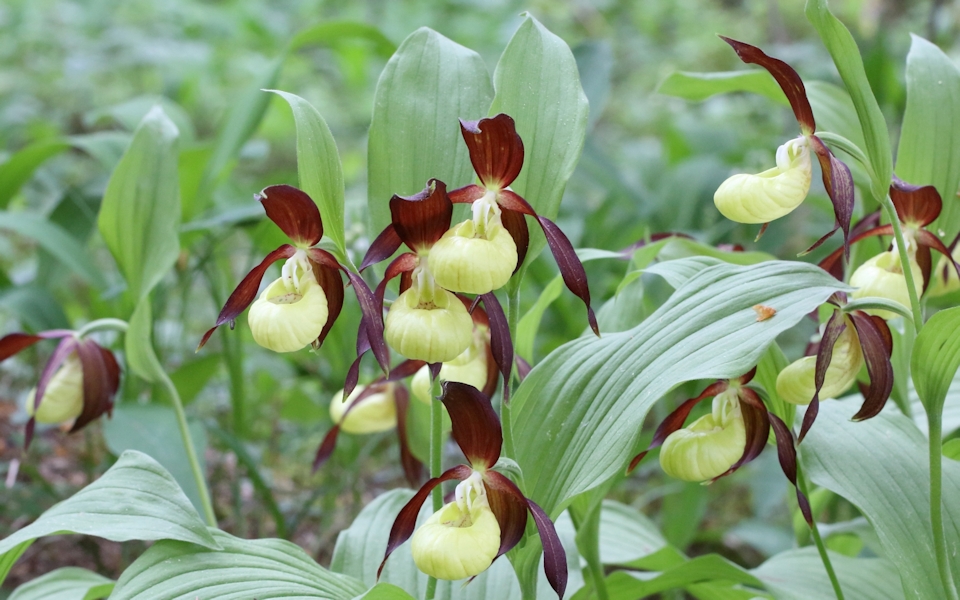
[376, 412]
[796, 384]
[772, 194]
[709, 446]
[433, 326]
[287, 318]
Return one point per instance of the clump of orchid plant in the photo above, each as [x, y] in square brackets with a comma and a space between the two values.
[766, 196]
[462, 540]
[77, 384]
[299, 308]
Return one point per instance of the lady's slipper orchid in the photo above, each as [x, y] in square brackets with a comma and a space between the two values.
[476, 429]
[496, 152]
[796, 383]
[883, 275]
[778, 191]
[475, 366]
[300, 307]
[945, 278]
[713, 446]
[378, 406]
[78, 382]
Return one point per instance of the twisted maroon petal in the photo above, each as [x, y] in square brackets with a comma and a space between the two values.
[467, 194]
[831, 334]
[516, 225]
[294, 212]
[406, 521]
[412, 468]
[332, 286]
[832, 263]
[510, 508]
[925, 238]
[382, 248]
[554, 558]
[757, 426]
[676, 419]
[916, 205]
[496, 150]
[13, 343]
[789, 81]
[501, 345]
[420, 220]
[877, 343]
[101, 379]
[246, 291]
[838, 182]
[787, 453]
[476, 428]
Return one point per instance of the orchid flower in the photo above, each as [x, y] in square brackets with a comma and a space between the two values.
[300, 307]
[438, 549]
[734, 433]
[775, 193]
[77, 384]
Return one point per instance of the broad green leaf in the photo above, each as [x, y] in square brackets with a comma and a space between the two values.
[193, 376]
[385, 591]
[140, 213]
[595, 63]
[241, 570]
[106, 147]
[10, 556]
[55, 240]
[682, 247]
[18, 169]
[834, 111]
[530, 322]
[700, 86]
[626, 534]
[677, 272]
[710, 567]
[136, 499]
[153, 430]
[138, 343]
[929, 150]
[799, 575]
[538, 84]
[707, 329]
[936, 358]
[68, 583]
[331, 32]
[881, 466]
[846, 56]
[318, 164]
[427, 85]
[951, 449]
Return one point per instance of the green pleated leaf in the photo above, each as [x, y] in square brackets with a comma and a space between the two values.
[18, 169]
[385, 591]
[678, 272]
[68, 583]
[707, 329]
[881, 466]
[700, 86]
[846, 56]
[835, 111]
[626, 534]
[799, 575]
[318, 165]
[136, 499]
[138, 343]
[936, 358]
[241, 570]
[331, 32]
[55, 240]
[9, 557]
[140, 212]
[711, 567]
[427, 85]
[929, 150]
[538, 84]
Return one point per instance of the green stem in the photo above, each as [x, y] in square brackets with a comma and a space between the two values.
[821, 548]
[436, 462]
[198, 475]
[904, 262]
[233, 355]
[102, 325]
[936, 505]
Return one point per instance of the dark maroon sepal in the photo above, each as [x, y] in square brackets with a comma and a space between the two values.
[246, 291]
[467, 194]
[501, 345]
[101, 380]
[570, 267]
[509, 506]
[831, 333]
[406, 520]
[676, 419]
[373, 314]
[554, 558]
[404, 263]
[28, 433]
[925, 238]
[412, 468]
[420, 220]
[66, 347]
[832, 263]
[332, 286]
[838, 182]
[516, 225]
[789, 81]
[407, 368]
[496, 149]
[15, 342]
[382, 248]
[476, 428]
[757, 426]
[327, 446]
[294, 212]
[917, 206]
[925, 262]
[877, 344]
[523, 367]
[787, 453]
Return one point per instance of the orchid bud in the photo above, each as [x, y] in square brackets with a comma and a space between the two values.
[796, 385]
[709, 446]
[375, 412]
[473, 262]
[766, 196]
[434, 329]
[461, 539]
[288, 317]
[882, 277]
[62, 399]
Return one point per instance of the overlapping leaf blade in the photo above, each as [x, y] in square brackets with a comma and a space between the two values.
[67, 583]
[55, 240]
[799, 575]
[936, 358]
[707, 329]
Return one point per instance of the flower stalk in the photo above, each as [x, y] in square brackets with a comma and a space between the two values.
[821, 547]
[935, 426]
[904, 262]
